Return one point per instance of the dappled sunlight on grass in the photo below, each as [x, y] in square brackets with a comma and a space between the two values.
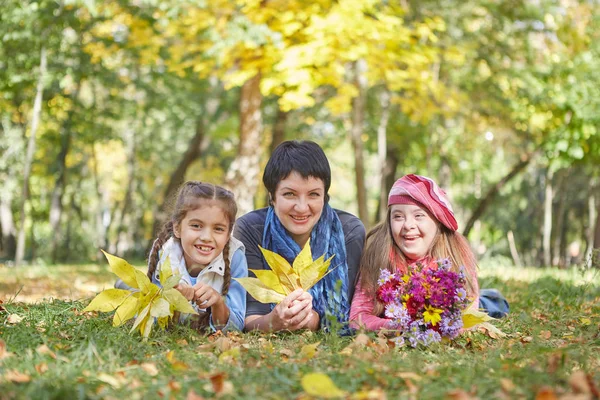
[572, 276]
[31, 284]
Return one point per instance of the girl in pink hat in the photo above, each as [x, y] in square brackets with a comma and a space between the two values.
[420, 228]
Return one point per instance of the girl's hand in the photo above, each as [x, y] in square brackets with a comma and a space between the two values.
[294, 312]
[186, 290]
[205, 296]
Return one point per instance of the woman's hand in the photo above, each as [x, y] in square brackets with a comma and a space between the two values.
[186, 290]
[294, 312]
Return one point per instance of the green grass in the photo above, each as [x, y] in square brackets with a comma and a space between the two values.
[554, 330]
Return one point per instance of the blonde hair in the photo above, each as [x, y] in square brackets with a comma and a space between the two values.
[382, 252]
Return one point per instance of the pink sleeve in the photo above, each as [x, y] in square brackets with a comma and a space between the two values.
[361, 312]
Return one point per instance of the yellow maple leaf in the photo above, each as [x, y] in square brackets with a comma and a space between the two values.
[475, 318]
[151, 302]
[320, 385]
[271, 286]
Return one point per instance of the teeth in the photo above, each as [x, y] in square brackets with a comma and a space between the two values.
[204, 248]
[300, 218]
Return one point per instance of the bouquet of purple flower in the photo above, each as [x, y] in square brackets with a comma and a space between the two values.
[426, 304]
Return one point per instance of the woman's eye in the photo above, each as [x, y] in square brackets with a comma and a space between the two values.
[220, 229]
[315, 195]
[196, 226]
[288, 194]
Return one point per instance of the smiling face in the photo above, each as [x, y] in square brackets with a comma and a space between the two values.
[298, 204]
[413, 229]
[203, 232]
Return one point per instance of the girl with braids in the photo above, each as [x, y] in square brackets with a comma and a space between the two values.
[197, 239]
[420, 228]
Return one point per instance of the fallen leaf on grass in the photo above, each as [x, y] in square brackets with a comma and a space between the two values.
[191, 395]
[43, 349]
[230, 355]
[2, 309]
[174, 386]
[585, 321]
[4, 353]
[16, 377]
[149, 368]
[373, 394]
[526, 339]
[219, 384]
[581, 382]
[361, 340]
[320, 385]
[175, 363]
[507, 385]
[41, 368]
[182, 342]
[408, 375]
[459, 394]
[14, 319]
[545, 393]
[308, 351]
[111, 380]
[545, 335]
[223, 344]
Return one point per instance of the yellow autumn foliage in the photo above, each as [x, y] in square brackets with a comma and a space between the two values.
[272, 286]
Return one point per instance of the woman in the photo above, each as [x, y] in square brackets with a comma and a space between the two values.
[297, 178]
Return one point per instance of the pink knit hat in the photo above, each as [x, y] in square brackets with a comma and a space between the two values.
[425, 193]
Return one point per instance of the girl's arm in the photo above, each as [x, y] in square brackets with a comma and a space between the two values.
[235, 300]
[361, 312]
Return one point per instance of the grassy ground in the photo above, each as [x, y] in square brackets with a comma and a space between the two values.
[49, 349]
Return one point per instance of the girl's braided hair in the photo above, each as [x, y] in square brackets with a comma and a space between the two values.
[190, 196]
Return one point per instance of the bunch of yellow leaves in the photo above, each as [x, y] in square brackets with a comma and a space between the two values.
[150, 302]
[272, 286]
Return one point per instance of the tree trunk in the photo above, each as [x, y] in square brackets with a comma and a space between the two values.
[9, 242]
[242, 177]
[127, 200]
[389, 177]
[35, 120]
[559, 245]
[547, 230]
[278, 130]
[493, 191]
[56, 204]
[593, 216]
[193, 152]
[513, 249]
[382, 162]
[356, 132]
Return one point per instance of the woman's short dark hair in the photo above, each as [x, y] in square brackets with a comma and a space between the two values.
[303, 156]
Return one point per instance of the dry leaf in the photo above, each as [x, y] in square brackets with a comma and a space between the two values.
[372, 394]
[16, 376]
[223, 344]
[4, 353]
[14, 319]
[526, 339]
[579, 382]
[408, 375]
[191, 395]
[111, 380]
[362, 340]
[286, 352]
[220, 386]
[149, 368]
[271, 286]
[459, 394]
[41, 368]
[321, 385]
[230, 355]
[507, 385]
[545, 393]
[545, 335]
[174, 386]
[43, 349]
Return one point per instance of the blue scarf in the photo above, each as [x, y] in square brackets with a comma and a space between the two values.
[330, 298]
